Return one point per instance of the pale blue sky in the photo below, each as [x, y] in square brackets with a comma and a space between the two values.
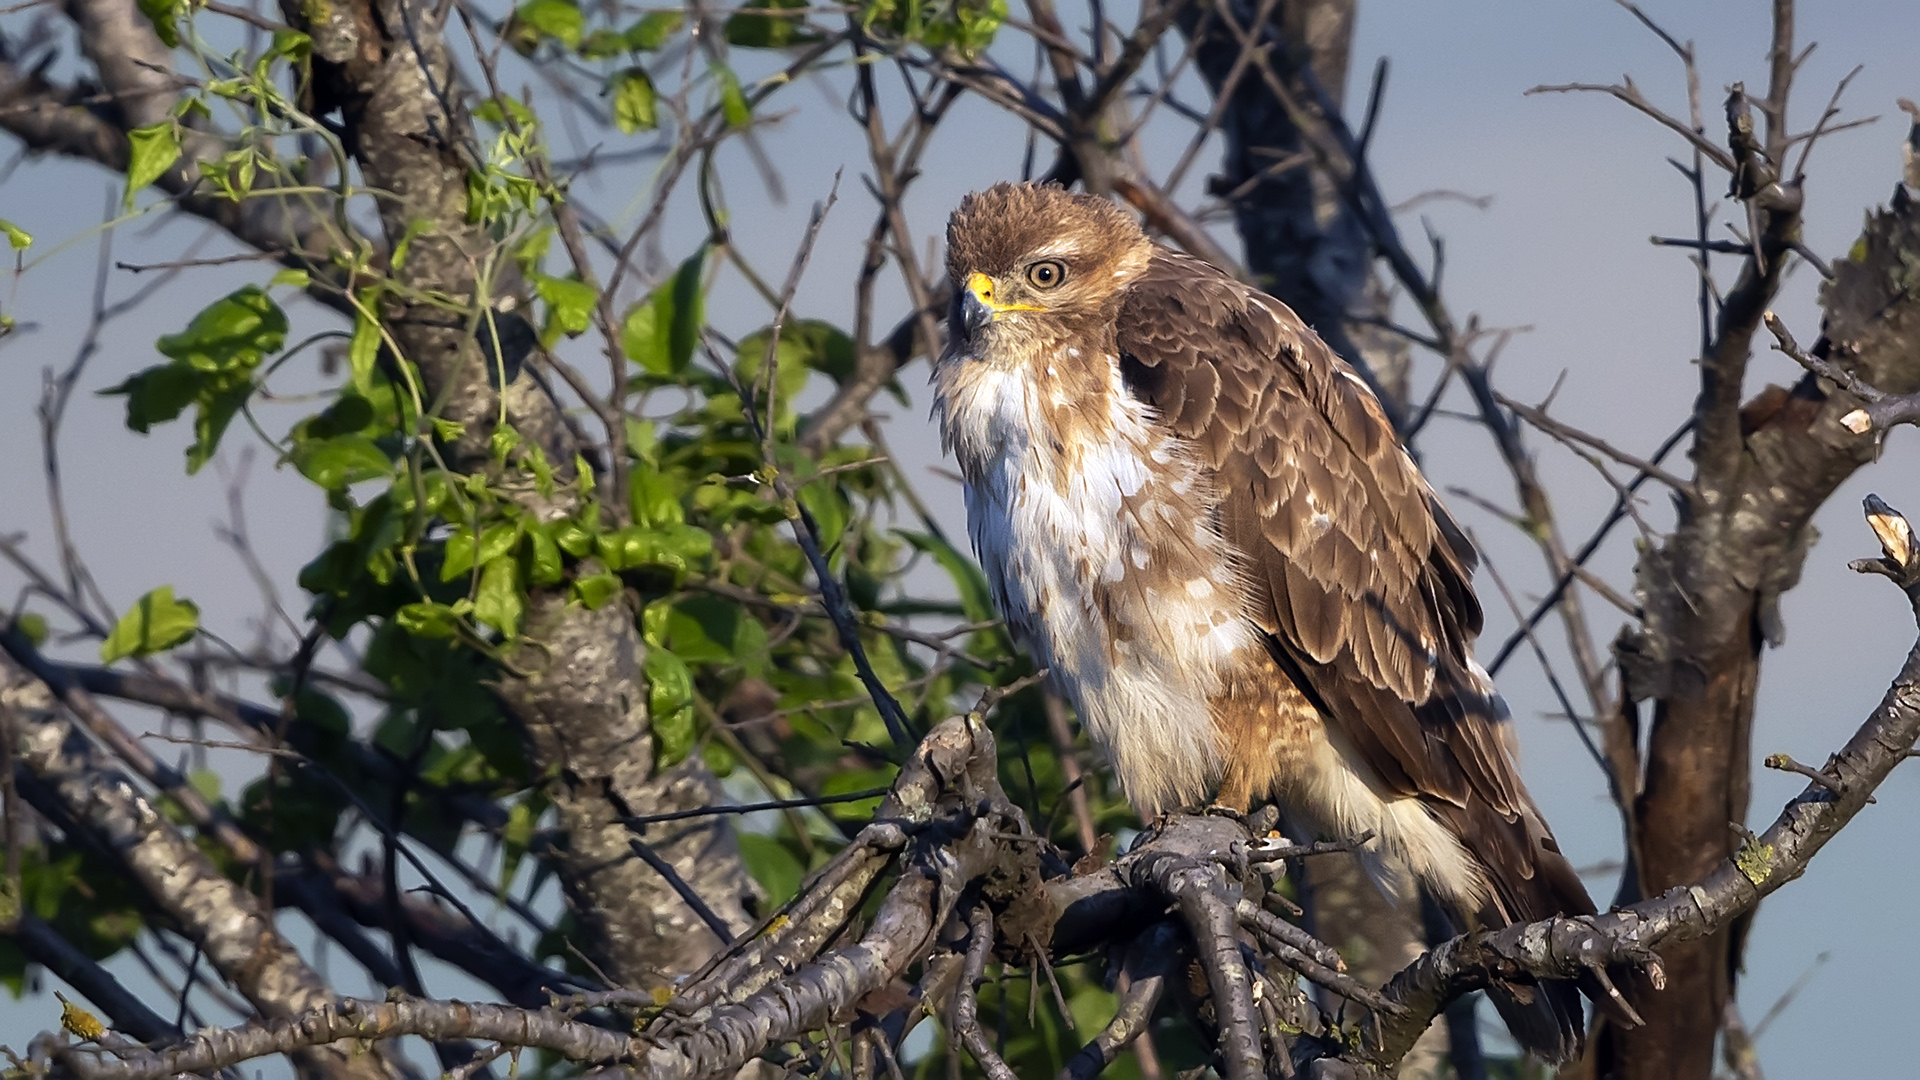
[1578, 184]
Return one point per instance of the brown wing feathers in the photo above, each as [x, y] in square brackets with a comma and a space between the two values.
[1359, 576]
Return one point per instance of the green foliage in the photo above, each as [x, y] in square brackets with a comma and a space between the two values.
[342, 460]
[733, 99]
[659, 333]
[537, 20]
[152, 150]
[773, 865]
[211, 368]
[653, 30]
[165, 15]
[762, 28]
[364, 348]
[635, 104]
[156, 622]
[670, 701]
[33, 625]
[434, 576]
[966, 26]
[88, 900]
[17, 238]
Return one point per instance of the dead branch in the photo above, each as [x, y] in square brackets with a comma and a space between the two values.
[949, 827]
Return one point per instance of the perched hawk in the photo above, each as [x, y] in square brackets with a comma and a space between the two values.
[1199, 518]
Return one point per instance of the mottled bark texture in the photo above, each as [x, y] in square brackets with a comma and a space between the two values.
[1304, 242]
[66, 780]
[1711, 593]
[577, 685]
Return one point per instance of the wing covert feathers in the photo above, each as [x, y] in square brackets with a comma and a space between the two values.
[1355, 571]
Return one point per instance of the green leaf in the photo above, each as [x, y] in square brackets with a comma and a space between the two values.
[516, 839]
[707, 629]
[806, 345]
[602, 44]
[733, 100]
[776, 868]
[156, 622]
[364, 349]
[154, 150]
[569, 306]
[157, 395]
[689, 311]
[676, 547]
[653, 498]
[829, 510]
[654, 620]
[556, 19]
[595, 590]
[761, 29]
[500, 603]
[294, 277]
[641, 340]
[660, 332]
[165, 16]
[17, 238]
[428, 620]
[335, 463]
[463, 554]
[573, 538]
[543, 557]
[291, 44]
[653, 30]
[635, 104]
[234, 332]
[213, 362]
[33, 625]
[848, 781]
[205, 783]
[670, 703]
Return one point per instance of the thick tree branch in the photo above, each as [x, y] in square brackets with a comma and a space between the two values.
[237, 937]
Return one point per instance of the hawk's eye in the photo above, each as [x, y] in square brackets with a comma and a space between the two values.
[1046, 274]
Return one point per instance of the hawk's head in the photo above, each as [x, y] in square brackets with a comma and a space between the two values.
[1034, 265]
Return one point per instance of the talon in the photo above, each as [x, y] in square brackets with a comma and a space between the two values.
[1273, 841]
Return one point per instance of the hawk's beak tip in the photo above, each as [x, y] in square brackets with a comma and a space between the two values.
[976, 304]
[974, 313]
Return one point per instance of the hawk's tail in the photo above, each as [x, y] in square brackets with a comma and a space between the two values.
[1550, 1026]
[1531, 880]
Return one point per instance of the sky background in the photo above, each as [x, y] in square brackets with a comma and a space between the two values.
[1578, 183]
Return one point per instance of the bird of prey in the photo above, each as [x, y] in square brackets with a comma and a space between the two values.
[1198, 517]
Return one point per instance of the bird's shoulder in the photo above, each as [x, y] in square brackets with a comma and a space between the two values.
[1352, 561]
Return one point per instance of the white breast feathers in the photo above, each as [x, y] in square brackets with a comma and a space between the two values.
[1093, 530]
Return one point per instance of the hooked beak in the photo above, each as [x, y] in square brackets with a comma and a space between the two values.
[978, 307]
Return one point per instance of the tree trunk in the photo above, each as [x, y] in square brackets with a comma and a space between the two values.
[582, 700]
[1710, 598]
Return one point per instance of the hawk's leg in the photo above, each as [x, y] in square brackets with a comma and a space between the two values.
[1266, 727]
[1236, 787]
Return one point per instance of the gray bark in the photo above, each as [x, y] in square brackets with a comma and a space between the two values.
[71, 781]
[582, 701]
